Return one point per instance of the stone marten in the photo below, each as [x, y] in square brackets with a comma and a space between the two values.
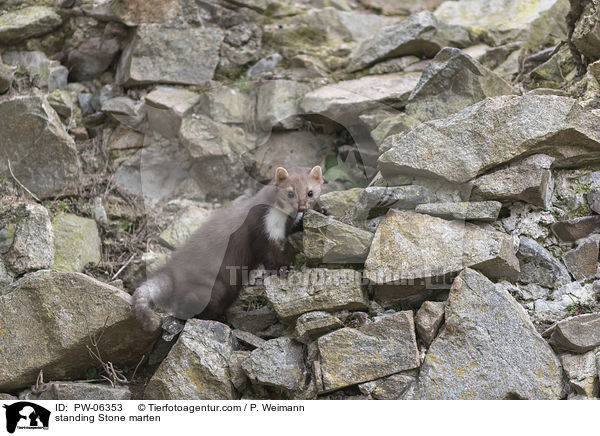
[203, 276]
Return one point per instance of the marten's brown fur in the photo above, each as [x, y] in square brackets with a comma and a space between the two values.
[203, 277]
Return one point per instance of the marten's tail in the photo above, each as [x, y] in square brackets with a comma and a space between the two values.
[144, 296]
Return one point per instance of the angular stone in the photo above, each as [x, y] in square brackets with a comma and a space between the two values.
[586, 35]
[47, 319]
[350, 356]
[576, 228]
[593, 200]
[126, 111]
[45, 160]
[22, 24]
[345, 100]
[164, 54]
[528, 180]
[338, 203]
[421, 35]
[484, 211]
[278, 103]
[513, 360]
[428, 320]
[410, 246]
[327, 240]
[311, 325]
[581, 372]
[392, 126]
[26, 238]
[315, 289]
[277, 363]
[197, 367]
[539, 266]
[76, 241]
[395, 387]
[578, 334]
[166, 108]
[248, 339]
[582, 262]
[457, 148]
[562, 302]
[238, 376]
[533, 21]
[92, 57]
[452, 81]
[228, 105]
[82, 391]
[376, 200]
[183, 225]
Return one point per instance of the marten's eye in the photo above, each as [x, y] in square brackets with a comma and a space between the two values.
[310, 193]
[290, 194]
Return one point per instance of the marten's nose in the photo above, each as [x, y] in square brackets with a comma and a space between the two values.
[301, 208]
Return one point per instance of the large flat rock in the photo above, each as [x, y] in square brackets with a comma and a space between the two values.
[409, 246]
[488, 349]
[47, 319]
[489, 133]
[22, 24]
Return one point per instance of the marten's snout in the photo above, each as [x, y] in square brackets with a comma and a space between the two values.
[302, 207]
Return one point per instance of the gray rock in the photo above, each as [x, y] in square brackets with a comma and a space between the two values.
[455, 149]
[562, 302]
[238, 376]
[197, 367]
[315, 289]
[452, 81]
[586, 35]
[29, 22]
[7, 75]
[327, 240]
[345, 100]
[76, 241]
[278, 103]
[26, 238]
[278, 363]
[409, 246]
[582, 373]
[395, 387]
[183, 225]
[80, 391]
[45, 160]
[311, 325]
[540, 21]
[126, 111]
[376, 200]
[248, 339]
[163, 54]
[484, 211]
[513, 360]
[528, 180]
[578, 334]
[393, 125]
[428, 320]
[576, 228]
[593, 199]
[539, 266]
[62, 311]
[227, 105]
[338, 203]
[406, 7]
[582, 261]
[166, 107]
[51, 74]
[265, 64]
[351, 356]
[421, 34]
[257, 321]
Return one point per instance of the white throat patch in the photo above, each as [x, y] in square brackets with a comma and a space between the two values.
[275, 221]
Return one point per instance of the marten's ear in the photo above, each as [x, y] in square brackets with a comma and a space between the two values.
[317, 174]
[280, 175]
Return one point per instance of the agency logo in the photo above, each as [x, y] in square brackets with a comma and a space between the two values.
[26, 415]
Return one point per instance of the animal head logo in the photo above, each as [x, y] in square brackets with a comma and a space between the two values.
[26, 415]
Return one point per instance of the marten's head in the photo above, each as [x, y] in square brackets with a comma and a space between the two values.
[297, 188]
